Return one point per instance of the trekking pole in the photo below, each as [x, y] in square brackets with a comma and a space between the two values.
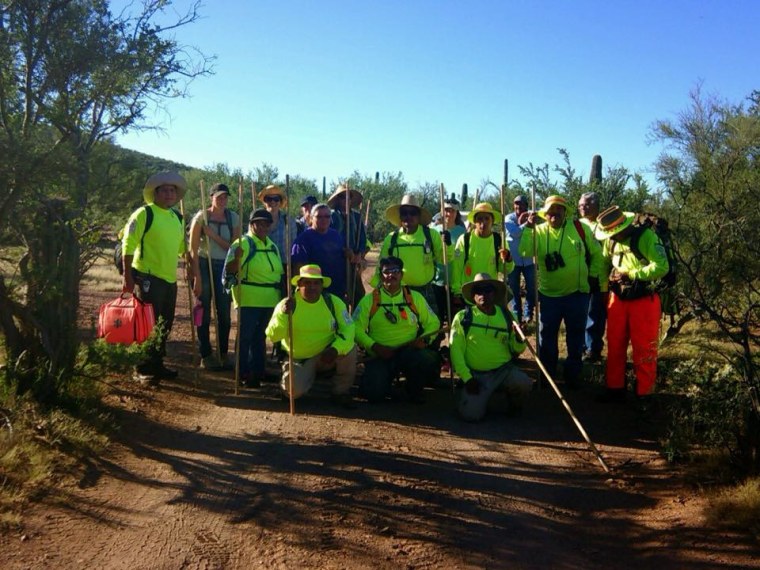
[288, 275]
[214, 315]
[239, 286]
[253, 197]
[446, 286]
[349, 294]
[502, 191]
[536, 300]
[561, 397]
[196, 351]
[357, 266]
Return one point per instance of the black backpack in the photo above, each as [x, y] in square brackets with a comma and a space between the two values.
[118, 257]
[496, 246]
[427, 246]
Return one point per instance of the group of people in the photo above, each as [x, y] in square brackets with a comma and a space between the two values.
[586, 271]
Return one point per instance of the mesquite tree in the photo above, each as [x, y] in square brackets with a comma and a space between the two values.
[72, 74]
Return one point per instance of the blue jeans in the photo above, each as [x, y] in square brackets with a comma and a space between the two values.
[529, 274]
[253, 348]
[572, 309]
[223, 301]
[595, 322]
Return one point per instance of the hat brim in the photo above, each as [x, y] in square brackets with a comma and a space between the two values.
[326, 281]
[160, 179]
[473, 213]
[569, 211]
[601, 234]
[501, 289]
[278, 192]
[393, 216]
[355, 199]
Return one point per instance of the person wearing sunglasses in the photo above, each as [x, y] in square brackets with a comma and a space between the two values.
[395, 325]
[483, 348]
[419, 247]
[276, 203]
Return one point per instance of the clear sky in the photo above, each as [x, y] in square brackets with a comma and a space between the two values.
[444, 91]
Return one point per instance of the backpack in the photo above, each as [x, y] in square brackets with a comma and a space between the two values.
[665, 284]
[228, 221]
[467, 322]
[408, 301]
[331, 306]
[118, 257]
[230, 279]
[496, 246]
[581, 232]
[427, 246]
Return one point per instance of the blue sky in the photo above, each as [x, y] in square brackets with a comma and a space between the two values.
[444, 91]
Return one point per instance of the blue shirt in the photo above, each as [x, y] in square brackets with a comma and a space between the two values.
[325, 250]
[514, 232]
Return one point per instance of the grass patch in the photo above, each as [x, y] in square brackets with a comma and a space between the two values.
[103, 275]
[737, 507]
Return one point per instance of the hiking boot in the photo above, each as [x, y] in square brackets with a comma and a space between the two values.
[592, 357]
[210, 363]
[345, 401]
[228, 362]
[164, 372]
[612, 396]
[145, 379]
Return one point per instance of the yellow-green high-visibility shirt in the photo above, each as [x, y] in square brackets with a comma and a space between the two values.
[620, 256]
[156, 251]
[481, 258]
[315, 327]
[394, 323]
[260, 277]
[419, 255]
[489, 343]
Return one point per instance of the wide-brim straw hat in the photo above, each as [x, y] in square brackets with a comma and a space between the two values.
[484, 208]
[311, 271]
[612, 221]
[160, 179]
[274, 189]
[393, 216]
[559, 201]
[484, 279]
[339, 196]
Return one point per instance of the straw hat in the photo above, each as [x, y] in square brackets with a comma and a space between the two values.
[274, 189]
[339, 196]
[311, 272]
[611, 221]
[393, 216]
[483, 279]
[484, 208]
[160, 179]
[559, 201]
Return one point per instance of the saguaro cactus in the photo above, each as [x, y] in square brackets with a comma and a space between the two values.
[463, 201]
[596, 170]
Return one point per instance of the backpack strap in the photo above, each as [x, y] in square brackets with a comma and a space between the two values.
[467, 320]
[581, 232]
[148, 223]
[228, 219]
[427, 246]
[407, 300]
[496, 246]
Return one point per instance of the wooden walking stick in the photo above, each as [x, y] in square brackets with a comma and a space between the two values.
[239, 286]
[288, 274]
[356, 274]
[349, 294]
[446, 285]
[536, 301]
[214, 315]
[253, 198]
[567, 407]
[196, 351]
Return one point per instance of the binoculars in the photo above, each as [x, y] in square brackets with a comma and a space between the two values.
[554, 261]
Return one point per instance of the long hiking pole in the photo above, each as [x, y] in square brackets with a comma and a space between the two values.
[356, 273]
[196, 353]
[288, 273]
[214, 315]
[349, 294]
[253, 197]
[567, 407]
[504, 188]
[239, 287]
[446, 284]
[536, 300]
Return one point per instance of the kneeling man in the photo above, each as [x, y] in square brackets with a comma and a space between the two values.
[323, 336]
[483, 346]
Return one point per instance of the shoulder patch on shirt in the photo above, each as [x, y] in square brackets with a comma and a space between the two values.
[347, 317]
[132, 226]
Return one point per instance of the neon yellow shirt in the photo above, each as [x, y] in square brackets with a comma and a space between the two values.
[314, 327]
[163, 243]
[381, 330]
[489, 343]
[260, 275]
[480, 259]
[625, 261]
[419, 261]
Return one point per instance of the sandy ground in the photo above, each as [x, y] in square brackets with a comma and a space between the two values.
[198, 477]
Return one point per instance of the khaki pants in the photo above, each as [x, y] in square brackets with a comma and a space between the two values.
[306, 372]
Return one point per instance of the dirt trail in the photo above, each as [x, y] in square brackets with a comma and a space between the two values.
[200, 478]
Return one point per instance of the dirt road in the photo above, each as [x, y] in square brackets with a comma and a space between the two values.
[200, 478]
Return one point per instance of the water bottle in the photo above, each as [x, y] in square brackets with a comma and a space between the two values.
[198, 313]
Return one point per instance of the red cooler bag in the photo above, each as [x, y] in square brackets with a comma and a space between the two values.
[125, 320]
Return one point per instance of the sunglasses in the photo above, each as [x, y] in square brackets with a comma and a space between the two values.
[390, 271]
[272, 198]
[408, 212]
[483, 290]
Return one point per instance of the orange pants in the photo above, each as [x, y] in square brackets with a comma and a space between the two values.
[637, 321]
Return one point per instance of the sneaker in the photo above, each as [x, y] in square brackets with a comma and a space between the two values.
[145, 379]
[210, 363]
[164, 372]
[612, 396]
[344, 401]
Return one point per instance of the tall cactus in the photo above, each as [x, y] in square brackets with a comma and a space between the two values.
[463, 201]
[596, 170]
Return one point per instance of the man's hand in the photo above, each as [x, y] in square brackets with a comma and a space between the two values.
[505, 255]
[472, 386]
[197, 288]
[384, 352]
[288, 306]
[446, 235]
[618, 277]
[528, 219]
[329, 355]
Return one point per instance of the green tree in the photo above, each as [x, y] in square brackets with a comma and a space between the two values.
[71, 75]
[711, 172]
